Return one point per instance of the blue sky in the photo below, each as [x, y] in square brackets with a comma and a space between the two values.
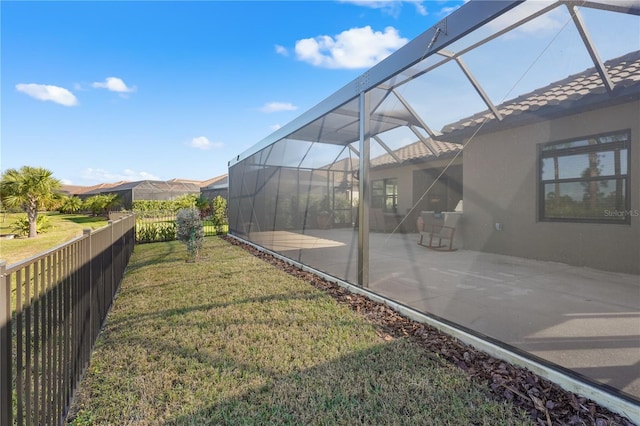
[109, 91]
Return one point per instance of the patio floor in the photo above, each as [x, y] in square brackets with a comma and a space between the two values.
[578, 318]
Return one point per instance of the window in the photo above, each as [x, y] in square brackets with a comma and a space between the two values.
[384, 194]
[586, 180]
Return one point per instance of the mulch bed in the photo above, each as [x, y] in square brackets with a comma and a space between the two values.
[546, 402]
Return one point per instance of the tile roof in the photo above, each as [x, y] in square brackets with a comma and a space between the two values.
[77, 189]
[158, 185]
[175, 183]
[417, 151]
[583, 89]
[216, 181]
[570, 95]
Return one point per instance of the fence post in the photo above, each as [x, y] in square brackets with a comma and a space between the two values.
[112, 263]
[89, 256]
[6, 406]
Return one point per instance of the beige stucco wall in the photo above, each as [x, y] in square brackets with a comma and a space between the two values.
[500, 186]
[405, 179]
[404, 174]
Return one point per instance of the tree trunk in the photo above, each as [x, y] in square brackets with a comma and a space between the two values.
[593, 185]
[32, 214]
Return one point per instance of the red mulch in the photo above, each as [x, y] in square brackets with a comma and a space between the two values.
[546, 402]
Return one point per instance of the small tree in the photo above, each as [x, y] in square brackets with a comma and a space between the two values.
[190, 231]
[32, 188]
[204, 205]
[70, 205]
[219, 213]
[101, 203]
[185, 201]
[21, 226]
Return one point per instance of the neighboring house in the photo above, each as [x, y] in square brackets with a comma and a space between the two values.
[152, 190]
[141, 190]
[128, 192]
[78, 191]
[217, 186]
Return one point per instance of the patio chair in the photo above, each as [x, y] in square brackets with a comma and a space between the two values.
[435, 233]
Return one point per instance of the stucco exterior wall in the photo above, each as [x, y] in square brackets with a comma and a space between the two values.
[406, 196]
[404, 174]
[500, 186]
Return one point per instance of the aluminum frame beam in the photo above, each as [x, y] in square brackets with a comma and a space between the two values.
[476, 85]
[425, 141]
[588, 43]
[364, 189]
[463, 21]
[386, 148]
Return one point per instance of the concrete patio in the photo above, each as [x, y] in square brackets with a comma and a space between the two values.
[578, 318]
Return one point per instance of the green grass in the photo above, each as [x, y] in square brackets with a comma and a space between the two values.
[64, 227]
[231, 340]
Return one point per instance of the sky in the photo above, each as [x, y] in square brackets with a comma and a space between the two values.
[108, 91]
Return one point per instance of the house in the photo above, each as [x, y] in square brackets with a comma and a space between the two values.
[531, 209]
[526, 114]
[129, 192]
[217, 186]
[569, 161]
[415, 178]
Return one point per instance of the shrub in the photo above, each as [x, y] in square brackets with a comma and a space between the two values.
[167, 232]
[21, 225]
[183, 201]
[204, 205]
[70, 205]
[219, 213]
[155, 232]
[190, 231]
[102, 203]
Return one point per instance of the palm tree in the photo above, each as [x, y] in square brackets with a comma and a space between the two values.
[70, 204]
[102, 203]
[111, 201]
[32, 188]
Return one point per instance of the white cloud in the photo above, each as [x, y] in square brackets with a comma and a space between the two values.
[274, 127]
[104, 176]
[550, 22]
[45, 92]
[114, 84]
[201, 142]
[390, 7]
[281, 50]
[448, 10]
[420, 7]
[277, 107]
[354, 48]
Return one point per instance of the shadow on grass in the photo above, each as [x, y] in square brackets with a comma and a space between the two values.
[168, 314]
[83, 220]
[159, 256]
[238, 353]
[389, 383]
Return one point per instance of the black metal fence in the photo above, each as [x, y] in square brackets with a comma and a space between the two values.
[51, 311]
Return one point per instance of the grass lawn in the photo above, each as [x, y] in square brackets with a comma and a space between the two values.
[232, 340]
[64, 227]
